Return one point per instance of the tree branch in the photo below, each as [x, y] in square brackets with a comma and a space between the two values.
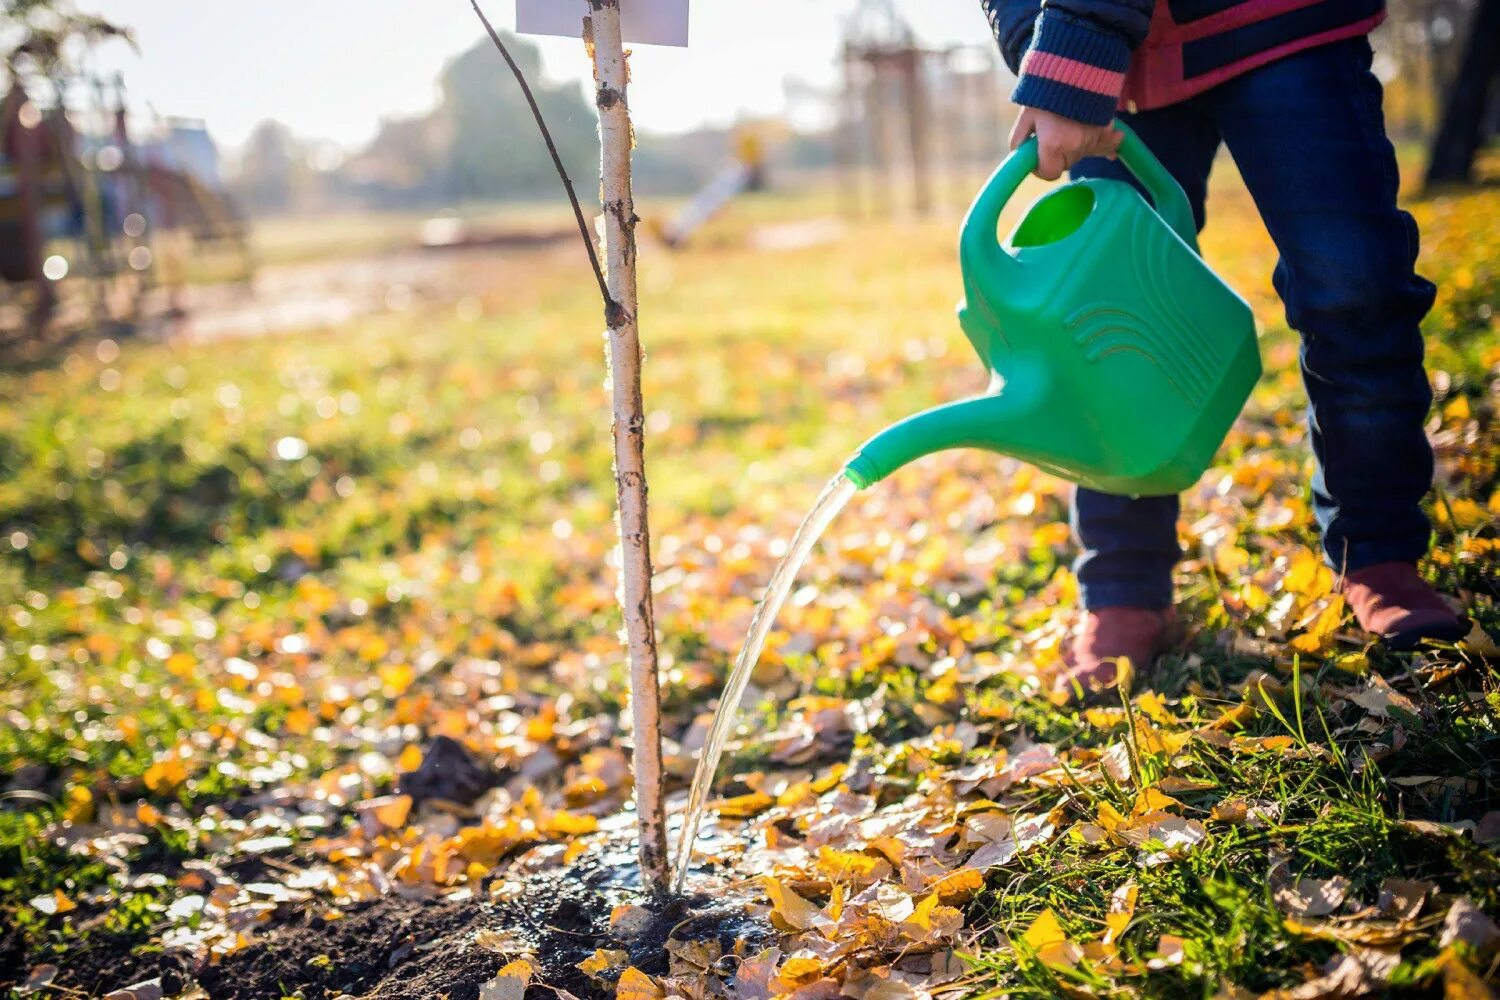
[610, 306]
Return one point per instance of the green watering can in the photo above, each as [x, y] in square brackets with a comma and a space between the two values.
[1118, 360]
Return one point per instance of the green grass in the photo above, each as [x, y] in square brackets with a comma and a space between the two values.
[227, 567]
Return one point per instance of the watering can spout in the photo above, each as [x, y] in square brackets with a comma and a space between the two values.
[1009, 421]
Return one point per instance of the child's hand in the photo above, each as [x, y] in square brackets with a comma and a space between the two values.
[1062, 142]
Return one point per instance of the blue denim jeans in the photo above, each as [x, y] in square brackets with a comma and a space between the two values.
[1308, 135]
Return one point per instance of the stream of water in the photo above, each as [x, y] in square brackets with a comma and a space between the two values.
[835, 496]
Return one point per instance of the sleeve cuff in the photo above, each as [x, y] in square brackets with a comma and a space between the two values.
[1072, 70]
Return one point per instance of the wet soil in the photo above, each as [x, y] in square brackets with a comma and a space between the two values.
[403, 949]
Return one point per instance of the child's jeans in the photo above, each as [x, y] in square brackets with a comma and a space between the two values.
[1308, 136]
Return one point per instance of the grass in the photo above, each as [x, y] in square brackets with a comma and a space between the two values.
[232, 568]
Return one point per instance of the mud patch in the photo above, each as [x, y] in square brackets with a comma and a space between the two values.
[397, 949]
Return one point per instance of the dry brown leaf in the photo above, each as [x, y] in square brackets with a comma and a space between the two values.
[1312, 897]
[1378, 698]
[1356, 974]
[628, 920]
[38, 979]
[1469, 924]
[1401, 899]
[1171, 950]
[1374, 933]
[149, 989]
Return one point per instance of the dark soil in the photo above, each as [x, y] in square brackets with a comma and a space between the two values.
[401, 949]
[392, 948]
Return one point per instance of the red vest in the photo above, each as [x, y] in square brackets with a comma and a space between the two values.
[1196, 44]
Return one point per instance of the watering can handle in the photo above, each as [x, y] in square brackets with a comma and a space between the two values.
[1167, 196]
[979, 230]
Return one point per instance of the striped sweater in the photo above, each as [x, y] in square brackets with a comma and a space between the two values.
[1085, 59]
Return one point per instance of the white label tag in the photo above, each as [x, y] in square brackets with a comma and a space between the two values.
[645, 22]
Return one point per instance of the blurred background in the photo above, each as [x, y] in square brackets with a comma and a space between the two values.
[159, 157]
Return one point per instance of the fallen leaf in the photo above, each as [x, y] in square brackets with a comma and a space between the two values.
[38, 979]
[629, 921]
[848, 866]
[149, 989]
[1170, 950]
[1460, 982]
[1051, 944]
[1356, 974]
[602, 961]
[636, 985]
[931, 921]
[957, 885]
[1378, 698]
[503, 942]
[791, 909]
[509, 983]
[1469, 924]
[1401, 899]
[1312, 897]
[53, 905]
[1121, 911]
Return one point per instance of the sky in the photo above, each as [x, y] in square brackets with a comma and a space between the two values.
[330, 69]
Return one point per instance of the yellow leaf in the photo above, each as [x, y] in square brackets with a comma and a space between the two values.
[79, 805]
[1121, 911]
[300, 722]
[1320, 632]
[1309, 577]
[1050, 942]
[794, 911]
[181, 665]
[848, 866]
[166, 774]
[1151, 800]
[1459, 981]
[410, 759]
[1151, 706]
[602, 961]
[958, 885]
[743, 806]
[570, 824]
[797, 971]
[930, 920]
[636, 985]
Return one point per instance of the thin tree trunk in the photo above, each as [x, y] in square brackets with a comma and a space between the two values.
[617, 139]
[1461, 133]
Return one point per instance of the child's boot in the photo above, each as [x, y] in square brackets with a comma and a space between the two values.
[1393, 602]
[1106, 637]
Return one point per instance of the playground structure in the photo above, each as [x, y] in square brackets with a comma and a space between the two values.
[744, 172]
[929, 122]
[84, 201]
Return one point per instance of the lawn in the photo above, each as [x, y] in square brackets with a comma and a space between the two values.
[251, 591]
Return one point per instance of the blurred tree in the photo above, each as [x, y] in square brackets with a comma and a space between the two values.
[1472, 94]
[40, 36]
[273, 167]
[493, 150]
